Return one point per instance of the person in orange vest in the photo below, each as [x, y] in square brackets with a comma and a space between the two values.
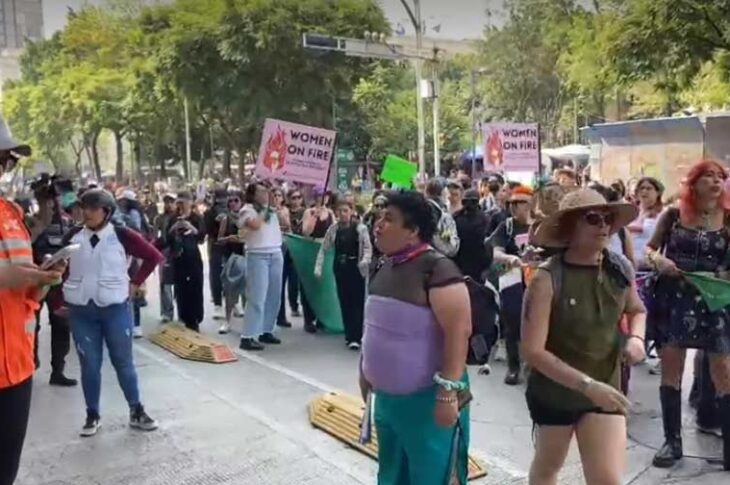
[22, 285]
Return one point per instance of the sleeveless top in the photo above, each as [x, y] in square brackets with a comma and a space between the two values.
[320, 228]
[584, 332]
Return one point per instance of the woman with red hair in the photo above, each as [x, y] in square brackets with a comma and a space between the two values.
[694, 237]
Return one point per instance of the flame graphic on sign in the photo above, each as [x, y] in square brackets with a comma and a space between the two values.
[495, 152]
[275, 151]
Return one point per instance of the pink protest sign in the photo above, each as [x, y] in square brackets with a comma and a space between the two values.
[296, 153]
[512, 147]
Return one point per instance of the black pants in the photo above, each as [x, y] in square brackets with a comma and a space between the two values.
[290, 285]
[60, 339]
[511, 321]
[351, 293]
[215, 261]
[14, 411]
[189, 293]
[309, 315]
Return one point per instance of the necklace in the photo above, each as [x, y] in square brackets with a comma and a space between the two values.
[707, 218]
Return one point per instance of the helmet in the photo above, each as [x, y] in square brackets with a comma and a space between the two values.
[98, 199]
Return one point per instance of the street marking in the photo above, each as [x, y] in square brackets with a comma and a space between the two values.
[311, 381]
[255, 413]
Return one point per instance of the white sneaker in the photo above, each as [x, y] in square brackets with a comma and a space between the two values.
[353, 346]
[137, 332]
[218, 313]
[224, 328]
[237, 311]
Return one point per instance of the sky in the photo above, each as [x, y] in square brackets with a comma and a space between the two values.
[446, 19]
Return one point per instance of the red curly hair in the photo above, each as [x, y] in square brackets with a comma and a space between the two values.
[688, 201]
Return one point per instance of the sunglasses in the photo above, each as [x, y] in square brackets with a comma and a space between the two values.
[231, 201]
[599, 218]
[296, 197]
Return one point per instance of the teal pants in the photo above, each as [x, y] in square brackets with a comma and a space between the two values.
[412, 448]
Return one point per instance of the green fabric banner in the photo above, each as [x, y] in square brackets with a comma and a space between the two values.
[321, 292]
[715, 291]
[398, 171]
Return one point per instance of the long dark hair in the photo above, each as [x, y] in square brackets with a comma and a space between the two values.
[250, 198]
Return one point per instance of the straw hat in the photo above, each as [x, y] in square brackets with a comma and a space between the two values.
[549, 232]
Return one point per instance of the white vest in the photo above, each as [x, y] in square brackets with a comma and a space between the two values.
[97, 273]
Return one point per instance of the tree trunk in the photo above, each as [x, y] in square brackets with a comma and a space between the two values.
[94, 147]
[227, 155]
[137, 150]
[119, 139]
[201, 165]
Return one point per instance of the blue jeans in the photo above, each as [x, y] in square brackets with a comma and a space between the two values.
[263, 292]
[92, 326]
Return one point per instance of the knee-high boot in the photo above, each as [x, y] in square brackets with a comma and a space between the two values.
[725, 420]
[671, 451]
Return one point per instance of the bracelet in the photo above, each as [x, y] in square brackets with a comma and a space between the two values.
[447, 399]
[643, 341]
[448, 384]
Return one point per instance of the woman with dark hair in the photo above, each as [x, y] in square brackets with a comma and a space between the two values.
[185, 233]
[571, 342]
[417, 328]
[353, 253]
[693, 238]
[234, 263]
[648, 193]
[315, 223]
[264, 266]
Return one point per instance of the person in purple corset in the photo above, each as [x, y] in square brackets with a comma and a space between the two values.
[417, 328]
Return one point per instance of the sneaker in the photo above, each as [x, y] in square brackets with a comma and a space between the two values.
[92, 425]
[218, 313]
[283, 324]
[656, 370]
[353, 345]
[513, 378]
[237, 311]
[250, 345]
[309, 327]
[139, 419]
[58, 379]
[717, 432]
[224, 328]
[296, 313]
[137, 332]
[269, 338]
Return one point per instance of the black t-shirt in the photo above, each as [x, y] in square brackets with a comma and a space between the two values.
[211, 224]
[473, 258]
[505, 236]
[496, 217]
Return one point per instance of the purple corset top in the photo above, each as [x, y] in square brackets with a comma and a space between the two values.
[402, 346]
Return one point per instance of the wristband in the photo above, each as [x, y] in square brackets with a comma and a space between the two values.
[447, 399]
[448, 384]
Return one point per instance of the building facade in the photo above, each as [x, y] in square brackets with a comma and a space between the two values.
[20, 20]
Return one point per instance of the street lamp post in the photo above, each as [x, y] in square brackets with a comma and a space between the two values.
[474, 123]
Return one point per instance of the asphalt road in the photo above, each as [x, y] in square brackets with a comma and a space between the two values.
[246, 422]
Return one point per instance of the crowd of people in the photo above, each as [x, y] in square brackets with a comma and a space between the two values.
[589, 278]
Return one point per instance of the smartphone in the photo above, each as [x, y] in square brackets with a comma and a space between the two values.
[60, 255]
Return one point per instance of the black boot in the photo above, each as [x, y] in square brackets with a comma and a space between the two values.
[725, 420]
[671, 451]
[59, 379]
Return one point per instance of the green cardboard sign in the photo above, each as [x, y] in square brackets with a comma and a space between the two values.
[398, 171]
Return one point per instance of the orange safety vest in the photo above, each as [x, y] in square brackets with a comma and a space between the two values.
[17, 306]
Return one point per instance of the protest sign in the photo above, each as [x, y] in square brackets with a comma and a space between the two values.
[295, 153]
[398, 171]
[512, 147]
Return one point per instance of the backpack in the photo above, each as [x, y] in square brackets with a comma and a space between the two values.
[617, 265]
[446, 239]
[484, 304]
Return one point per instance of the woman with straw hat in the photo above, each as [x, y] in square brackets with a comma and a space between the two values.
[571, 340]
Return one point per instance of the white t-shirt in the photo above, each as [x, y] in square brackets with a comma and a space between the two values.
[641, 239]
[266, 239]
